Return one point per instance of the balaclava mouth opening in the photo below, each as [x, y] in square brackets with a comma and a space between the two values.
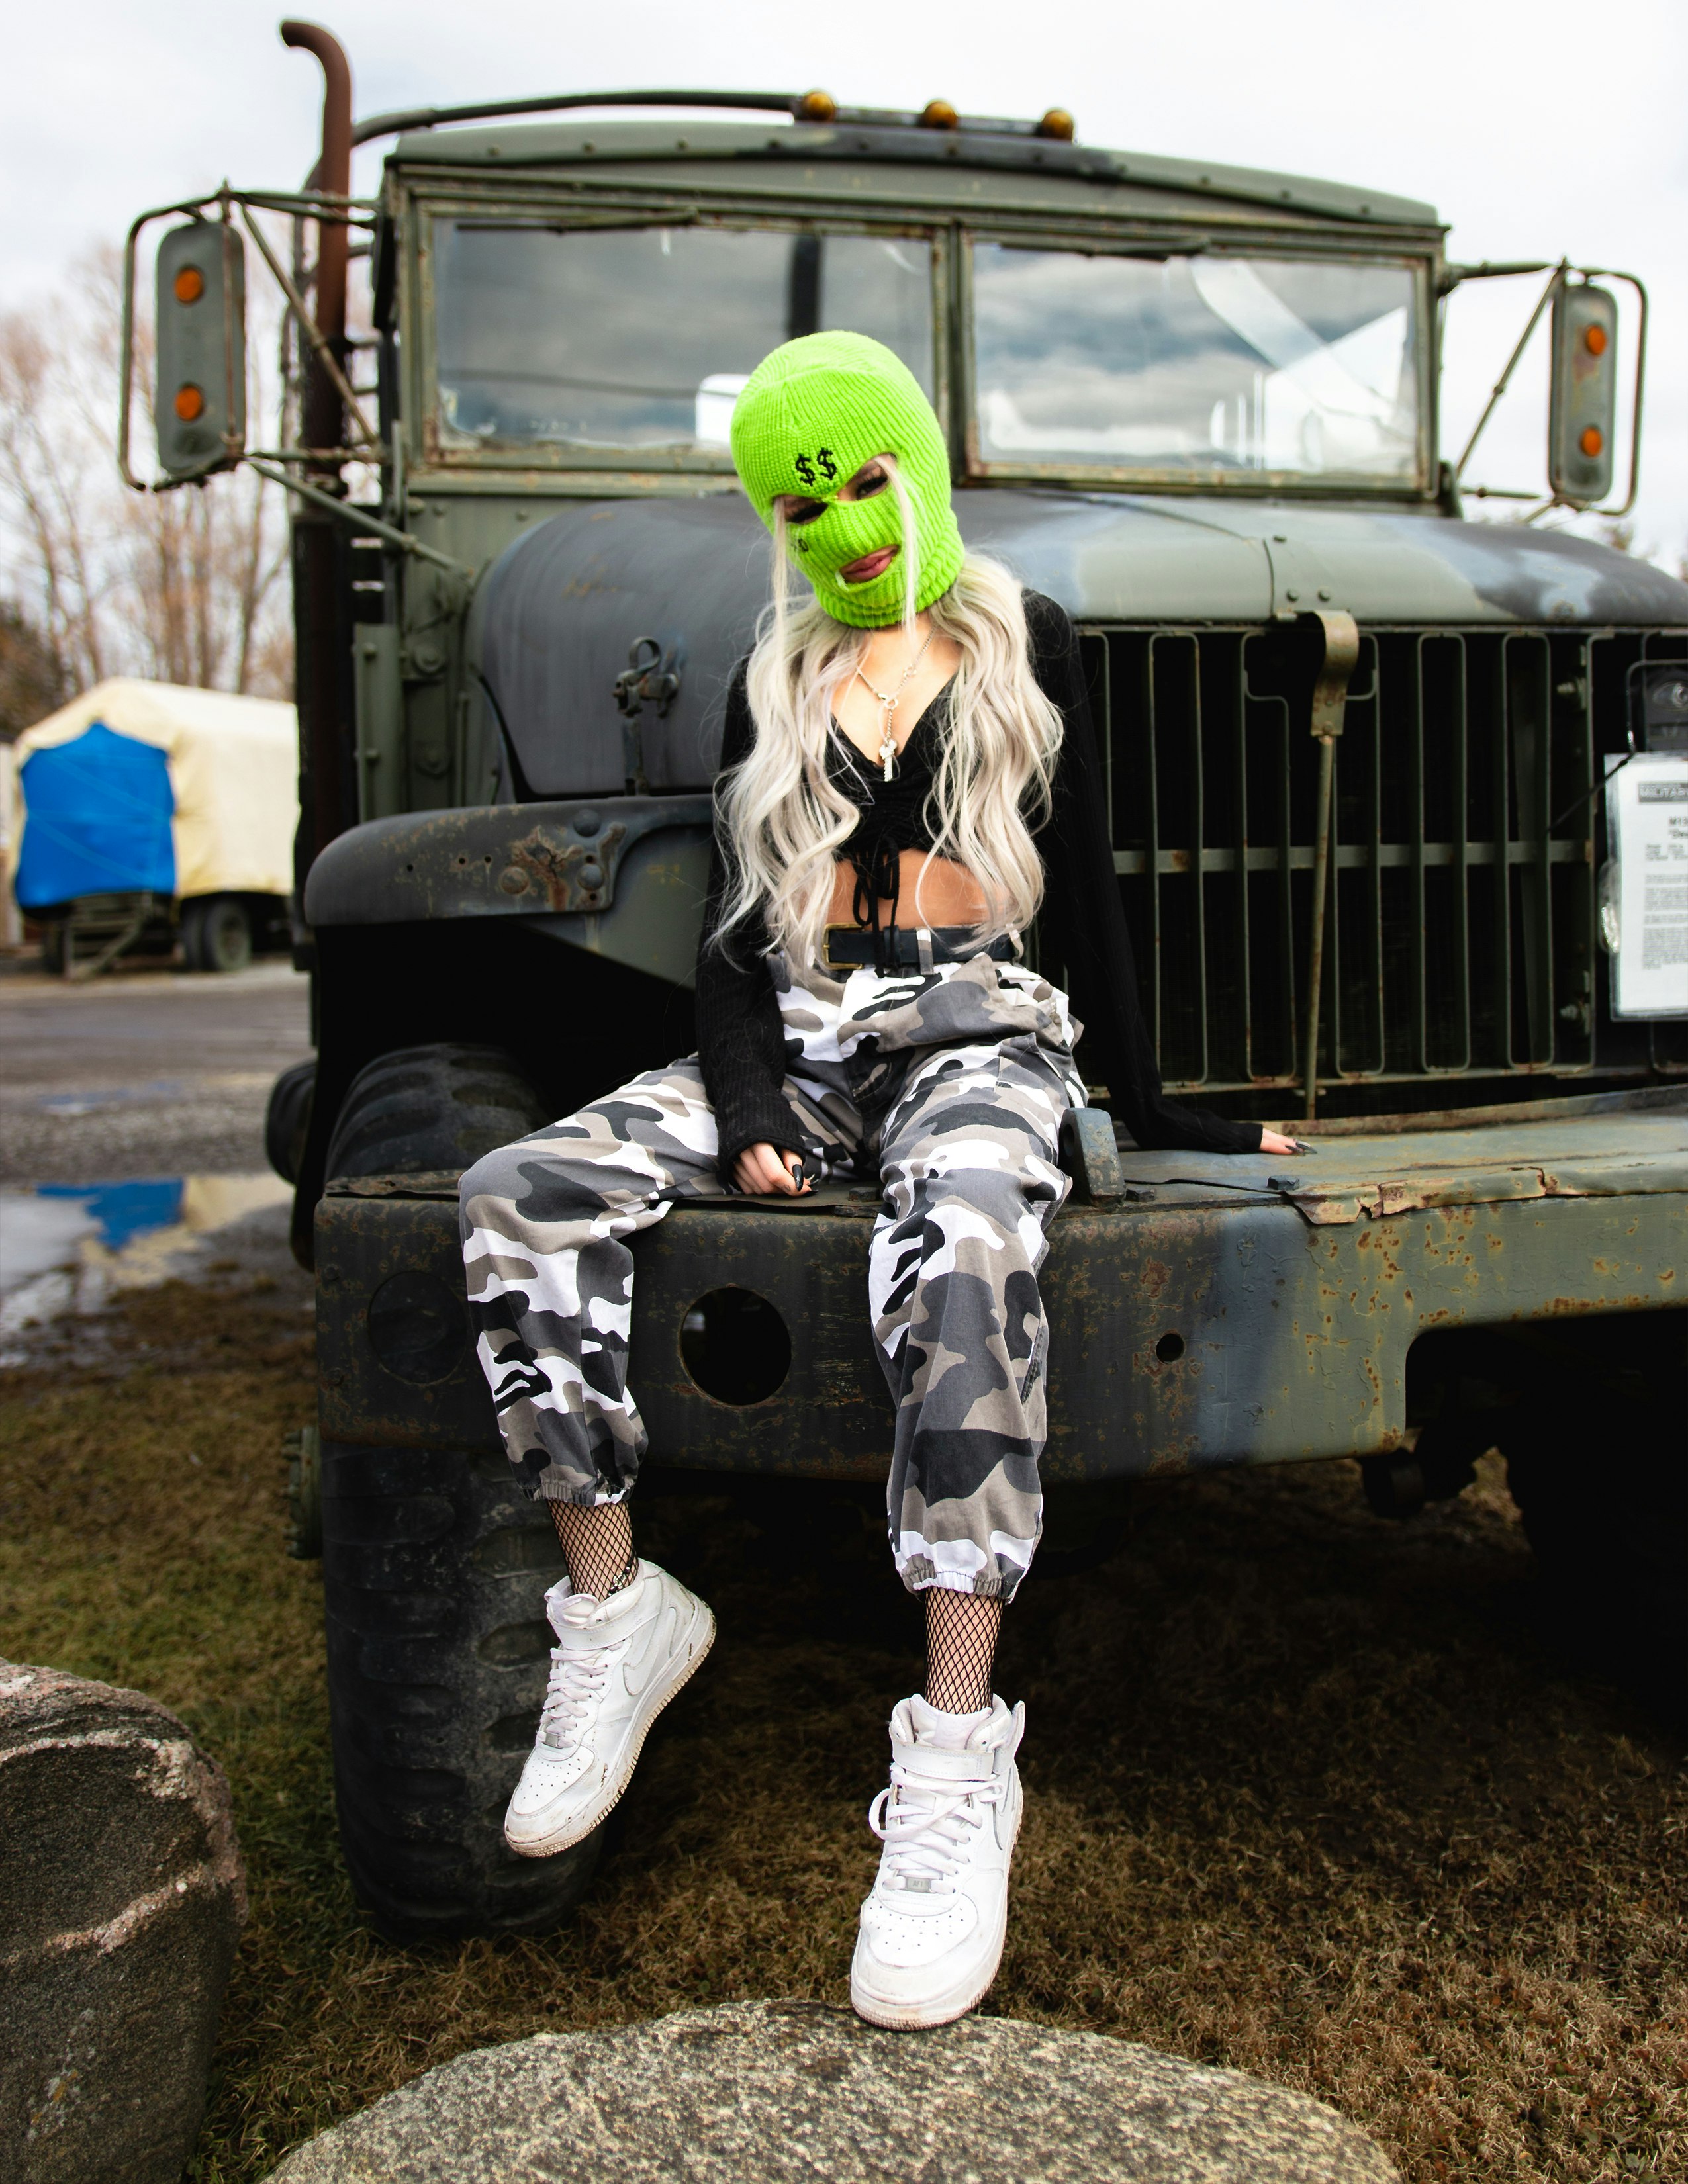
[811, 414]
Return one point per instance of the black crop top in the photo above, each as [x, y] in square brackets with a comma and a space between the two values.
[892, 812]
[741, 1039]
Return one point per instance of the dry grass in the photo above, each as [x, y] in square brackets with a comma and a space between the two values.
[1307, 1795]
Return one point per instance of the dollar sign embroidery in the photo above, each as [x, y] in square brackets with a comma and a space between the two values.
[805, 469]
[829, 469]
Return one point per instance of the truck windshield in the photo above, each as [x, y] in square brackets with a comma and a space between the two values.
[640, 337]
[1203, 365]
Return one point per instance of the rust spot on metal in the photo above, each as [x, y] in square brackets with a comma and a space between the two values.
[571, 876]
[429, 1182]
[1156, 1273]
[550, 868]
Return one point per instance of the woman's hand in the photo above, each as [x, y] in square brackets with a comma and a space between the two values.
[1271, 1141]
[760, 1170]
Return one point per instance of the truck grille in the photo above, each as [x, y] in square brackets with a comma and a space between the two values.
[1461, 934]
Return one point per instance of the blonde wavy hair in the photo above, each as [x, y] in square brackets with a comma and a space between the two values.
[786, 819]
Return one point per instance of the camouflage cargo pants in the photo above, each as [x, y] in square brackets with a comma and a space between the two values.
[962, 1133]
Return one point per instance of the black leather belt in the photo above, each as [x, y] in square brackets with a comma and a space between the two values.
[903, 948]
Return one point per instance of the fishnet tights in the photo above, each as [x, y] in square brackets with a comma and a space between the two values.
[962, 1628]
[597, 1545]
[961, 1647]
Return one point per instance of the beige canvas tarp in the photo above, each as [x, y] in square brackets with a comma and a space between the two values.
[233, 769]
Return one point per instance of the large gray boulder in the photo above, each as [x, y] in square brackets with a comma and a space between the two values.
[121, 1899]
[765, 2092]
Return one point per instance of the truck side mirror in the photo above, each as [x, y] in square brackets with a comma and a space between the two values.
[1582, 412]
[200, 403]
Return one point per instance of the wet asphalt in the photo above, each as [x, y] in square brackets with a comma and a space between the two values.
[142, 1072]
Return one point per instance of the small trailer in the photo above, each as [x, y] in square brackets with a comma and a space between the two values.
[143, 813]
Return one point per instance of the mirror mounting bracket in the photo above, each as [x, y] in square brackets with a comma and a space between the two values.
[1558, 278]
[324, 206]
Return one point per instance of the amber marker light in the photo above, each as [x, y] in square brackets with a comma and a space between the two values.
[816, 106]
[1592, 441]
[938, 113]
[190, 402]
[1594, 340]
[189, 285]
[1059, 124]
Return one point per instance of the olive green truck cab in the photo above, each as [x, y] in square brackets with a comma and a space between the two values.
[1361, 755]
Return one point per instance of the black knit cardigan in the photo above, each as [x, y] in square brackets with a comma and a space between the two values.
[741, 1040]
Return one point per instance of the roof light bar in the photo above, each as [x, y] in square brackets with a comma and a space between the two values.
[814, 107]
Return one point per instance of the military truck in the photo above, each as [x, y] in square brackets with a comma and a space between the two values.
[1358, 748]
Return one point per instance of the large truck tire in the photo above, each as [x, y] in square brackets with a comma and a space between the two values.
[216, 934]
[422, 1110]
[435, 1567]
[434, 1570]
[286, 1119]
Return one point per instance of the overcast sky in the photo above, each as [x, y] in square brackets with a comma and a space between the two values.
[1537, 129]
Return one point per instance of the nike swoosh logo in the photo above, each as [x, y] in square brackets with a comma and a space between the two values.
[635, 1674]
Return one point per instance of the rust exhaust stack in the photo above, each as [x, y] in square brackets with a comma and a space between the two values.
[324, 422]
[327, 779]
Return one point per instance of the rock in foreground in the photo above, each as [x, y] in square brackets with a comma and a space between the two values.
[121, 1898]
[771, 2092]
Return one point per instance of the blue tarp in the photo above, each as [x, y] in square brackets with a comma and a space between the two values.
[97, 819]
[124, 1210]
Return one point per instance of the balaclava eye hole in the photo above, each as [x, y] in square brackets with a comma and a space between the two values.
[811, 415]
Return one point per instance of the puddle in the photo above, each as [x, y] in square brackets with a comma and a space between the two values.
[64, 1247]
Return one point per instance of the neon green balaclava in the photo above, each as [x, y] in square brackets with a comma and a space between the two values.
[811, 414]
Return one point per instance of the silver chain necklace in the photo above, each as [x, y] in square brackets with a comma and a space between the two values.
[888, 741]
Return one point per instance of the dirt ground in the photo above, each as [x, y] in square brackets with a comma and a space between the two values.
[1308, 1794]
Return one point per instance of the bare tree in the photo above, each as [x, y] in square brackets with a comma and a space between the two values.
[43, 474]
[181, 587]
[32, 680]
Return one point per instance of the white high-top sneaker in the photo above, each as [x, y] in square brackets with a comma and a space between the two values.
[934, 1922]
[615, 1665]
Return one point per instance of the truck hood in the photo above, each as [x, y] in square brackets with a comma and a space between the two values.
[559, 613]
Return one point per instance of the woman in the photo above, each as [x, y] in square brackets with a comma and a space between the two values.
[909, 776]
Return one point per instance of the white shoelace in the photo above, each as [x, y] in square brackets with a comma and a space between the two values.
[575, 1682]
[928, 1831]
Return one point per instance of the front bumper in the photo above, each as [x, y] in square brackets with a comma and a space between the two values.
[1254, 1311]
